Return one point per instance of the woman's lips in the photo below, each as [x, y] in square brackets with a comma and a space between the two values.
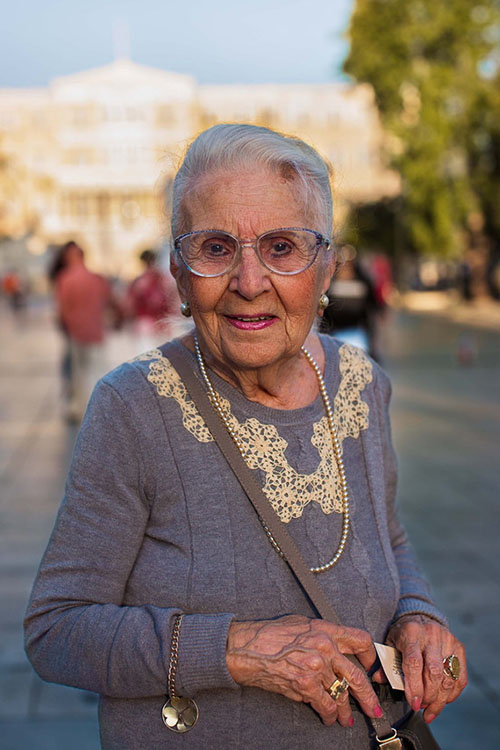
[251, 322]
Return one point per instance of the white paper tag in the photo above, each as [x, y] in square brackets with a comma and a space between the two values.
[391, 662]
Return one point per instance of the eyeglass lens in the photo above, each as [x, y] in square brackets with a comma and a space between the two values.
[283, 251]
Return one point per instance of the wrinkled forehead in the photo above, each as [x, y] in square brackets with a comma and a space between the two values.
[248, 201]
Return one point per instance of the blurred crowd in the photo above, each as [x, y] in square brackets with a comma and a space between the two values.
[88, 306]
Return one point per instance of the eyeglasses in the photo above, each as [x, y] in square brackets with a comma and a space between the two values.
[285, 251]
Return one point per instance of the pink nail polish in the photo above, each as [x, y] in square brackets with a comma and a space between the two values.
[351, 722]
[430, 717]
[416, 704]
[378, 712]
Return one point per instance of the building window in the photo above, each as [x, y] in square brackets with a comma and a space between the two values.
[165, 116]
[78, 206]
[121, 113]
[130, 209]
[80, 116]
[102, 200]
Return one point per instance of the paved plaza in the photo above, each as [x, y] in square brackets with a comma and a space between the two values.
[446, 421]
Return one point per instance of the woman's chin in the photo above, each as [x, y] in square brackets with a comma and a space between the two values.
[252, 354]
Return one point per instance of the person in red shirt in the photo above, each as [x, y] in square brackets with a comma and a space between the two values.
[83, 300]
[151, 299]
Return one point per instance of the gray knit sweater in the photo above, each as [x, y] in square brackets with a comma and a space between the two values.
[154, 523]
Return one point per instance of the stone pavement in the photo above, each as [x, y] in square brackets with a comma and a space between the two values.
[447, 429]
[481, 313]
[35, 447]
[446, 426]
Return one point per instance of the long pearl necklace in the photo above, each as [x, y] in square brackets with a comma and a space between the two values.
[216, 403]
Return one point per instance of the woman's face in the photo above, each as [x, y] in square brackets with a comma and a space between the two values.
[246, 204]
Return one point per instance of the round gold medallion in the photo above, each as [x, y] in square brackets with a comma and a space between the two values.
[452, 666]
[180, 714]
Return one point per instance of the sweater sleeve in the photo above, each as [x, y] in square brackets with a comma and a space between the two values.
[415, 595]
[78, 631]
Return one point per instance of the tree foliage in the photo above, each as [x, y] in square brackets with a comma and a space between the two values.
[432, 66]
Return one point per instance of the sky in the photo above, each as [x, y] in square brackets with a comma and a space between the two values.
[216, 41]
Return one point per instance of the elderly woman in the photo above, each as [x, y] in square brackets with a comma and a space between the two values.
[159, 579]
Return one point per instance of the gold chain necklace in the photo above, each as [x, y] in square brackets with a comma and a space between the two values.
[216, 403]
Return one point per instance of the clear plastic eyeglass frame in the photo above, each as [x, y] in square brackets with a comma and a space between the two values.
[321, 241]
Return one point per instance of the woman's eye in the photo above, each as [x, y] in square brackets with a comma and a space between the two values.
[281, 247]
[215, 249]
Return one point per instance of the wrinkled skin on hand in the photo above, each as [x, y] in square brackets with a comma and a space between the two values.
[424, 643]
[300, 658]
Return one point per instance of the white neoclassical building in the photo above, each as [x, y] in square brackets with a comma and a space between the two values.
[88, 157]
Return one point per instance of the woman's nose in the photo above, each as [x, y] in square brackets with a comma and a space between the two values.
[250, 278]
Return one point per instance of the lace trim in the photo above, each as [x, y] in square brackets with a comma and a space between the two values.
[287, 490]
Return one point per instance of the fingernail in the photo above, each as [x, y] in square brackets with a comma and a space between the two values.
[416, 704]
[378, 712]
[351, 722]
[430, 717]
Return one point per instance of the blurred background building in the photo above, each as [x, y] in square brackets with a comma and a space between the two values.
[89, 156]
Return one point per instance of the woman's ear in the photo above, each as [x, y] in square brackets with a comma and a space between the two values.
[329, 270]
[180, 277]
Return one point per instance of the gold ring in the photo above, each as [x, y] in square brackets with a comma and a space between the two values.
[452, 666]
[337, 688]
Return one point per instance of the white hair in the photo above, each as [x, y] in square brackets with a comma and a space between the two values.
[233, 146]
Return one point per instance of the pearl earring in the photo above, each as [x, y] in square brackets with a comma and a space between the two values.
[186, 309]
[323, 302]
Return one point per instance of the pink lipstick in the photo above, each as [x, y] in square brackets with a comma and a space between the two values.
[251, 322]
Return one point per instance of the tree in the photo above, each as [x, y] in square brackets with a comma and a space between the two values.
[430, 63]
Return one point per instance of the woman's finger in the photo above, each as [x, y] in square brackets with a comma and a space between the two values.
[433, 673]
[321, 701]
[442, 697]
[450, 689]
[412, 665]
[379, 676]
[344, 712]
[359, 686]
[357, 642]
[455, 687]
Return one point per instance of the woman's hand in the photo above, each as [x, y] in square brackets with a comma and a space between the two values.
[424, 643]
[301, 658]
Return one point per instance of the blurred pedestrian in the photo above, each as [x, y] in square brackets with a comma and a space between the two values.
[466, 349]
[382, 279]
[494, 276]
[351, 315]
[151, 299]
[15, 290]
[464, 280]
[56, 266]
[83, 300]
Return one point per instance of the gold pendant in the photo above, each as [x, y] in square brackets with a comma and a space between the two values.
[180, 714]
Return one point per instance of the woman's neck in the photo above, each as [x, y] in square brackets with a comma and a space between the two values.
[287, 384]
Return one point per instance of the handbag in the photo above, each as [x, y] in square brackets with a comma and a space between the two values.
[412, 733]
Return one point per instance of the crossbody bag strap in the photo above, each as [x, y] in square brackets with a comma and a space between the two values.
[184, 366]
[180, 358]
